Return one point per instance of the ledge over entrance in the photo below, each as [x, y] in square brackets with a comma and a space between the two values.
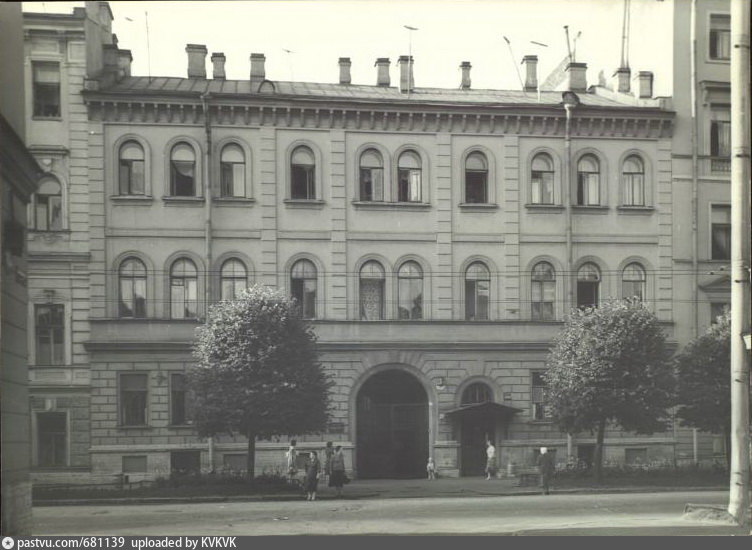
[503, 411]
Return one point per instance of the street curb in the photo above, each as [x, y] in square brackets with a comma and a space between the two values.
[356, 496]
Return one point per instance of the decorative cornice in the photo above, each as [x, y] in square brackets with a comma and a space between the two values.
[543, 120]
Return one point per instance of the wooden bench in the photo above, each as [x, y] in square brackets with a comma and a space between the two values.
[528, 477]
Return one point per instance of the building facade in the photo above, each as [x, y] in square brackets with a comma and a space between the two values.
[436, 239]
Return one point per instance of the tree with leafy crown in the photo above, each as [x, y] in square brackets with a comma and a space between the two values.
[257, 371]
[609, 364]
[703, 389]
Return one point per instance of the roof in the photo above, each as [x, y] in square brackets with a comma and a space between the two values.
[487, 408]
[329, 91]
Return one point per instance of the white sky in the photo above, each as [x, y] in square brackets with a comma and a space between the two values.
[318, 32]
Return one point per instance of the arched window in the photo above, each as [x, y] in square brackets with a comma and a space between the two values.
[233, 278]
[476, 178]
[588, 282]
[371, 291]
[543, 291]
[232, 171]
[633, 178]
[183, 290]
[371, 176]
[588, 181]
[302, 174]
[410, 291]
[633, 282]
[182, 171]
[542, 180]
[476, 393]
[48, 205]
[132, 288]
[409, 177]
[303, 283]
[131, 169]
[477, 288]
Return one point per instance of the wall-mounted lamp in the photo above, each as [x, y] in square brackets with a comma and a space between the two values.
[440, 383]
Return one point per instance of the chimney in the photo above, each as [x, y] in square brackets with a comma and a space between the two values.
[110, 58]
[623, 75]
[465, 66]
[258, 73]
[344, 70]
[531, 72]
[645, 79]
[577, 77]
[406, 73]
[196, 60]
[124, 58]
[382, 75]
[218, 62]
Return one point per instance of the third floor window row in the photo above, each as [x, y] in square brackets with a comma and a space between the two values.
[376, 183]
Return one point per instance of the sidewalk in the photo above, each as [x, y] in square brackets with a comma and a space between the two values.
[391, 488]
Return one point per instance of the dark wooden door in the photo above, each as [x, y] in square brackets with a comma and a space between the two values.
[475, 431]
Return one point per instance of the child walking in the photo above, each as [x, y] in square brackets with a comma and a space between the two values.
[431, 468]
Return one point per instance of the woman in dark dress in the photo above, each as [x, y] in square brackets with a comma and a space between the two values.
[338, 478]
[312, 476]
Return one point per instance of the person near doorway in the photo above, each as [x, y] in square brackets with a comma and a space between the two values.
[312, 476]
[490, 460]
[431, 468]
[338, 477]
[547, 468]
[292, 460]
[328, 454]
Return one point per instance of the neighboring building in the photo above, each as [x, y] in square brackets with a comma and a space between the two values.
[701, 165]
[18, 174]
[436, 238]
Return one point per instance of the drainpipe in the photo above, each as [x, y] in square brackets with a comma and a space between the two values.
[208, 230]
[693, 137]
[570, 100]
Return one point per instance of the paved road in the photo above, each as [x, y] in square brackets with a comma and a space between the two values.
[601, 514]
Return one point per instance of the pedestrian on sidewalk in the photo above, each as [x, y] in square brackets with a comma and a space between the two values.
[312, 476]
[292, 460]
[431, 468]
[338, 477]
[328, 454]
[547, 468]
[490, 460]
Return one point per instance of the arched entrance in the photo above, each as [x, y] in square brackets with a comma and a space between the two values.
[392, 426]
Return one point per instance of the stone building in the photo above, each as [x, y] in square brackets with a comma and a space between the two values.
[435, 237]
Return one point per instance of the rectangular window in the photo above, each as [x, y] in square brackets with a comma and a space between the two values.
[49, 212]
[720, 139]
[476, 300]
[304, 292]
[46, 89]
[183, 178]
[371, 299]
[635, 457]
[475, 191]
[634, 185]
[720, 37]
[133, 395]
[540, 411]
[410, 293]
[134, 464]
[371, 184]
[49, 331]
[720, 230]
[184, 299]
[232, 179]
[408, 185]
[52, 439]
[178, 400]
[543, 294]
[131, 177]
[303, 182]
[587, 189]
[542, 188]
[185, 462]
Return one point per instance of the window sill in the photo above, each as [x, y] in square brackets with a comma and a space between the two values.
[47, 118]
[478, 206]
[304, 203]
[143, 427]
[589, 209]
[183, 201]
[624, 209]
[373, 205]
[543, 422]
[542, 208]
[47, 231]
[232, 201]
[181, 426]
[132, 199]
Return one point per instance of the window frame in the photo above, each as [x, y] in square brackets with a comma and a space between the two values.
[174, 170]
[421, 295]
[406, 176]
[483, 174]
[172, 279]
[629, 180]
[233, 278]
[37, 105]
[243, 177]
[180, 400]
[643, 282]
[127, 164]
[362, 170]
[597, 282]
[123, 415]
[55, 332]
[716, 32]
[538, 406]
[133, 278]
[535, 181]
[308, 305]
[723, 230]
[307, 170]
[584, 186]
[487, 390]
[537, 286]
[39, 448]
[382, 280]
[50, 218]
[471, 314]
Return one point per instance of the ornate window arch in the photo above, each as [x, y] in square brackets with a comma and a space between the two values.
[233, 278]
[233, 168]
[184, 175]
[542, 172]
[634, 281]
[131, 168]
[588, 180]
[476, 178]
[633, 181]
[302, 173]
[183, 289]
[409, 176]
[371, 176]
[588, 285]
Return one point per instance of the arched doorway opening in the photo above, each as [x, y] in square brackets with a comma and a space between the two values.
[392, 426]
[475, 429]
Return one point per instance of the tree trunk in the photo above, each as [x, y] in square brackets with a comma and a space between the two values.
[598, 458]
[727, 444]
[251, 465]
